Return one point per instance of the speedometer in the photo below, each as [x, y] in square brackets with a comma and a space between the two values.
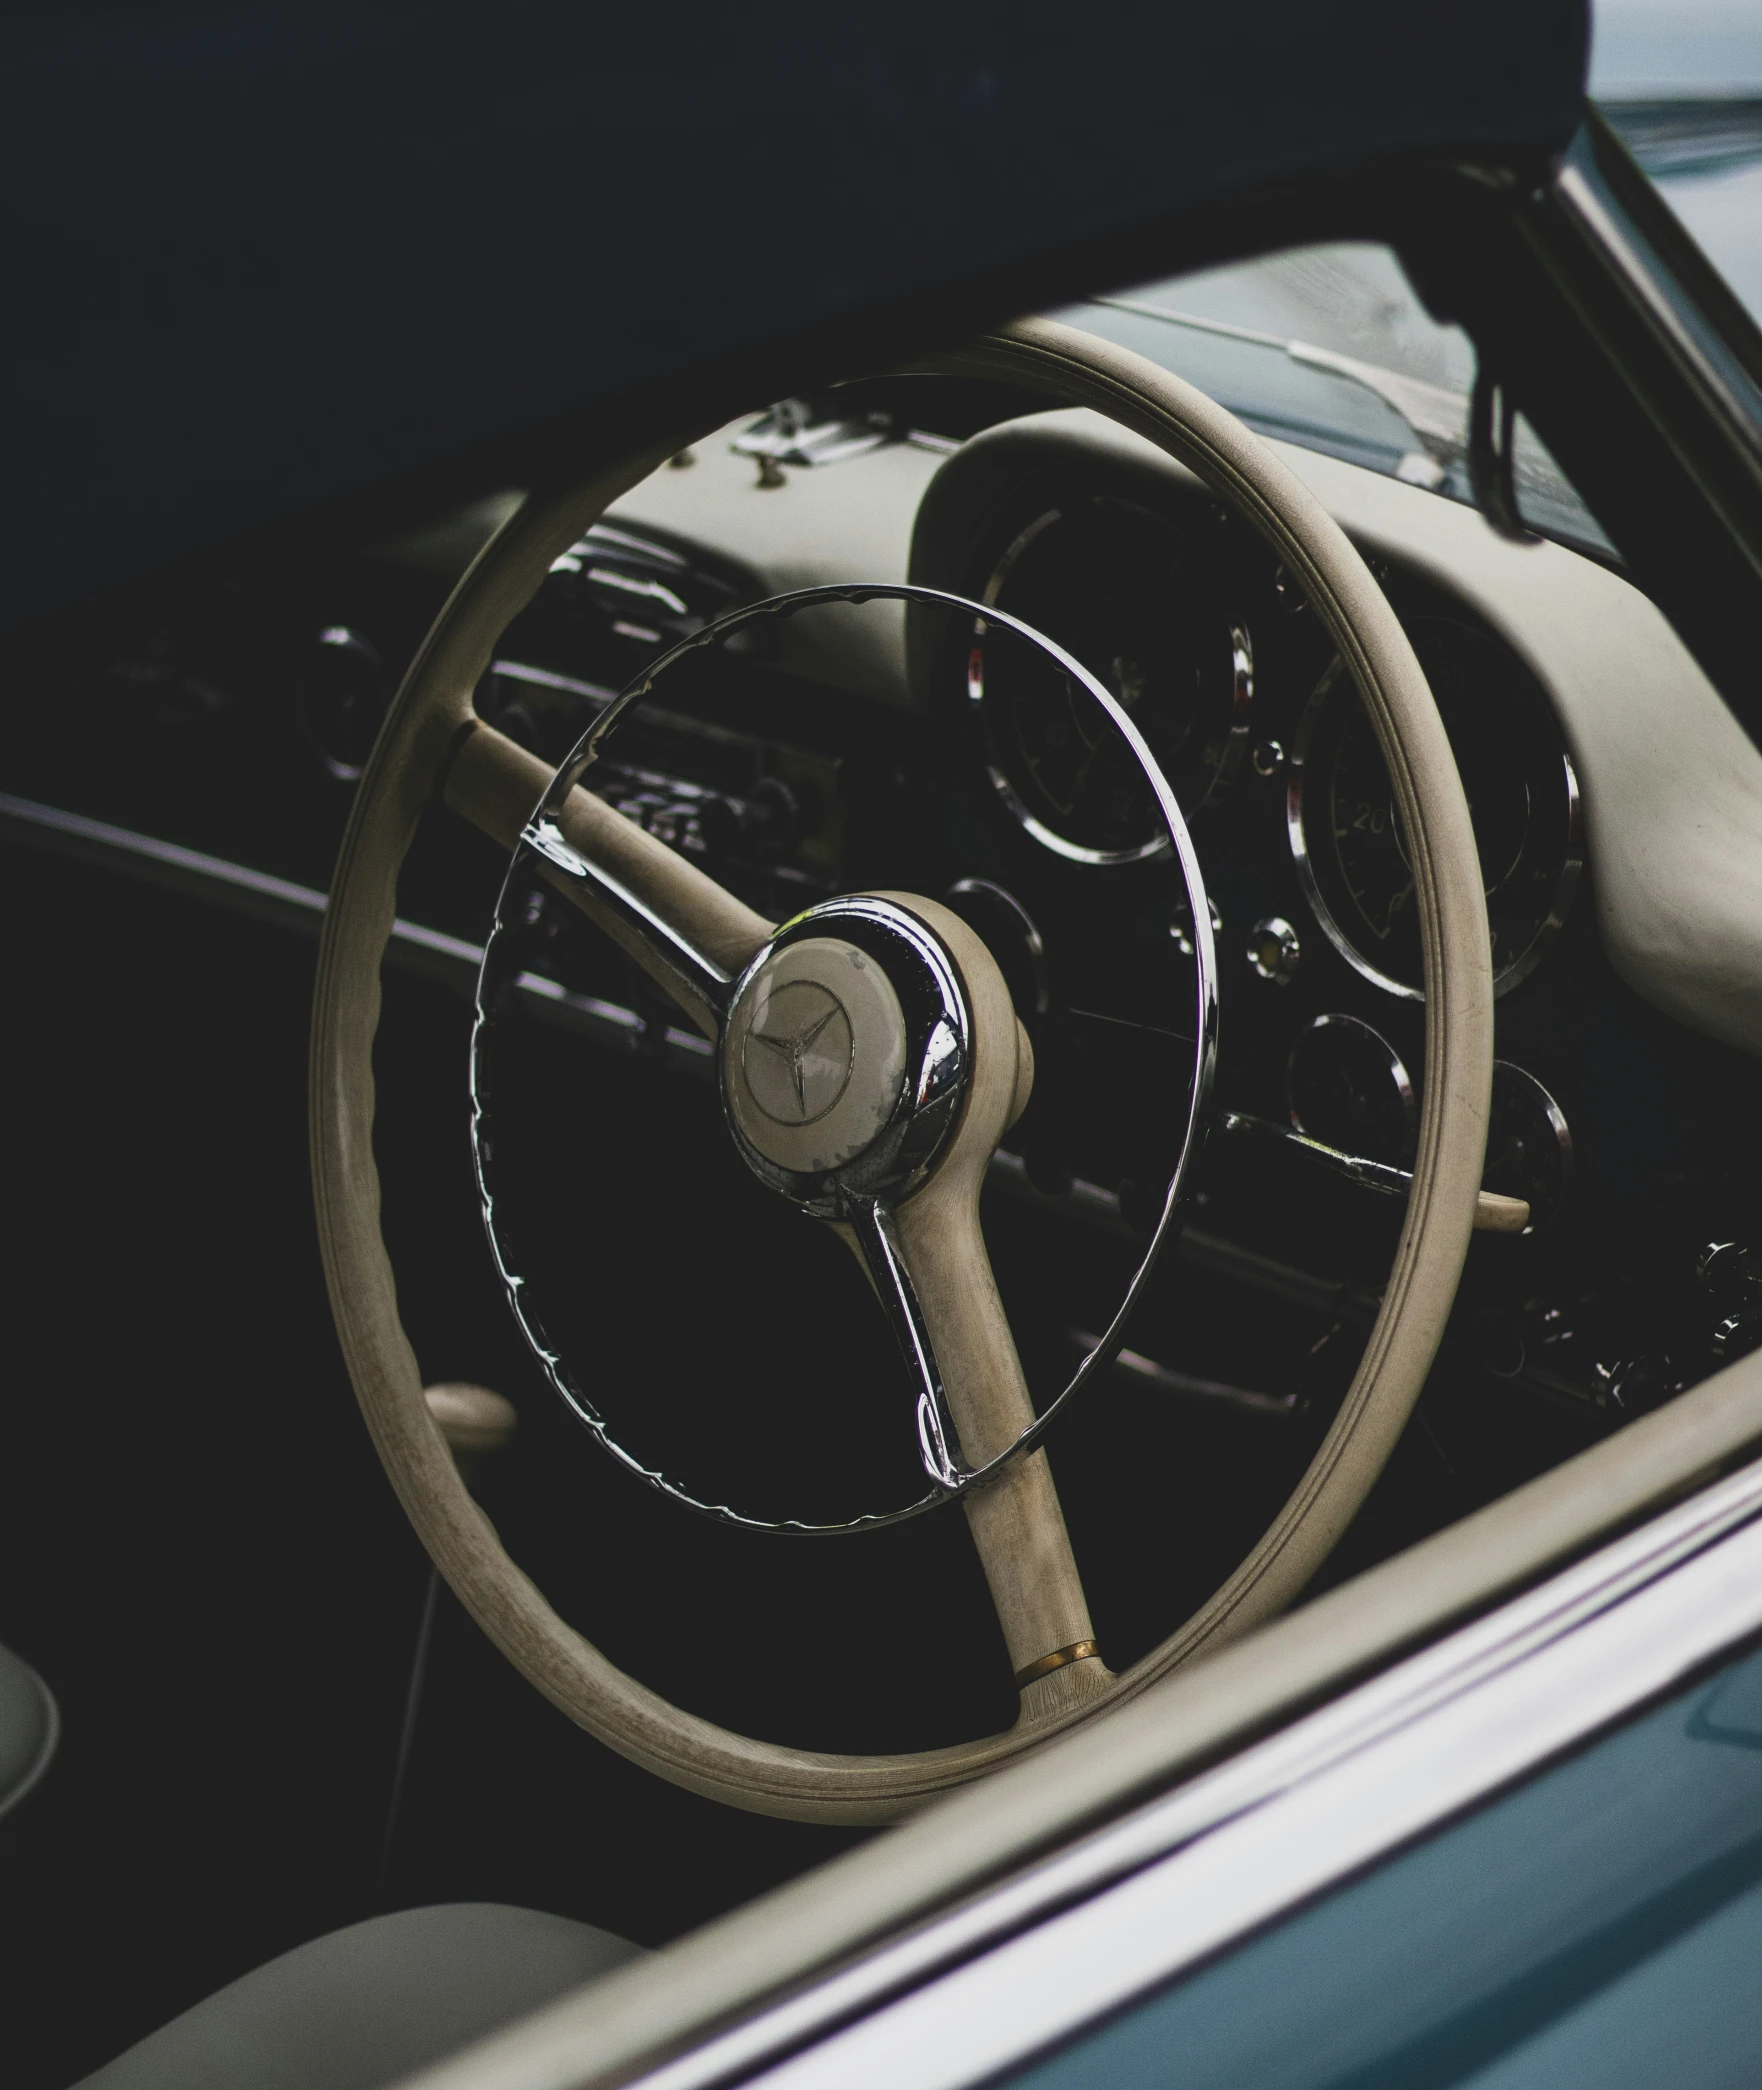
[1522, 796]
[1130, 597]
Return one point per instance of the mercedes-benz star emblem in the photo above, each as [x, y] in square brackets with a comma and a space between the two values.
[797, 1056]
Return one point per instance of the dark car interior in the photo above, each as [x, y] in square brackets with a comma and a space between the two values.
[258, 1652]
[268, 1716]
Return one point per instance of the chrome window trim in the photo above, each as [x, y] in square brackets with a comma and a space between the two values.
[1024, 1967]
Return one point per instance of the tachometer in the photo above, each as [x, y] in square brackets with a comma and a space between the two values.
[1127, 594]
[1522, 795]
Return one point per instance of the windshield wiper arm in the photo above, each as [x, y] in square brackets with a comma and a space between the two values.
[1436, 416]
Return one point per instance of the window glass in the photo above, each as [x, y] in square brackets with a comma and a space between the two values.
[1601, 1926]
[1329, 347]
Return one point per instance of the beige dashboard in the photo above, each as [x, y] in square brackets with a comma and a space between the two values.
[1671, 785]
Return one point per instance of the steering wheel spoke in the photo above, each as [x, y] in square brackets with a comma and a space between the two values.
[927, 1258]
[690, 935]
[939, 1438]
[973, 1407]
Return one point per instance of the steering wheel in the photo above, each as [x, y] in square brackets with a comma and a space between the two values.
[931, 1068]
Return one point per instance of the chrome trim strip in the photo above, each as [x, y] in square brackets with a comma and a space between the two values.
[547, 678]
[1030, 1963]
[164, 863]
[414, 947]
[216, 880]
[1134, 1366]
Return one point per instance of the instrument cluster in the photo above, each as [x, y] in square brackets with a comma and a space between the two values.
[1234, 686]
[1346, 836]
[1161, 616]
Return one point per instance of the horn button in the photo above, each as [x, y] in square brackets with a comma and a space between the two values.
[835, 1079]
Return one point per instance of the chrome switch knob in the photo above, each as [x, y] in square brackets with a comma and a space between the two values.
[1274, 951]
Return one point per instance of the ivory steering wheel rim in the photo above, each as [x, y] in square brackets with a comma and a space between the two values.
[428, 740]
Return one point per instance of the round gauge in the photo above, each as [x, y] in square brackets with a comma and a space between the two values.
[1013, 938]
[343, 692]
[1124, 592]
[1347, 1088]
[1529, 1149]
[1522, 796]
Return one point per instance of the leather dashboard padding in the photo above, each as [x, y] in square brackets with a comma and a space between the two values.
[421, 734]
[30, 1727]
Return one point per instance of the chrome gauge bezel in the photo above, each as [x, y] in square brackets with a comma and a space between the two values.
[1400, 1080]
[1554, 1117]
[1241, 712]
[1508, 976]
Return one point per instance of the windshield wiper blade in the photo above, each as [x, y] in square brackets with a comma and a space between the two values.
[1435, 416]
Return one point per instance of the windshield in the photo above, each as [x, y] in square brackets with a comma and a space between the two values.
[1328, 346]
[1681, 80]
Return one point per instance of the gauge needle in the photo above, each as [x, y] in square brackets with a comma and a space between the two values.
[1151, 1030]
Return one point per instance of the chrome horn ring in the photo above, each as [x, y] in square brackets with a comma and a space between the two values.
[866, 971]
[842, 1109]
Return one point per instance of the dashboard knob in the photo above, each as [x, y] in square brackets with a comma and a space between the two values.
[769, 821]
[775, 813]
[1738, 1334]
[1635, 1385]
[1274, 950]
[1730, 1273]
